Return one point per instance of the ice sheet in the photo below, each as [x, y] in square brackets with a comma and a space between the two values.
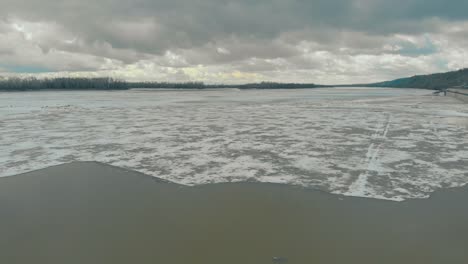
[381, 143]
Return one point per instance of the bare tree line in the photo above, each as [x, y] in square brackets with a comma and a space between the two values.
[32, 84]
[201, 85]
[25, 84]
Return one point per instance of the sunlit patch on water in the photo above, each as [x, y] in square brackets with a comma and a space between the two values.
[382, 143]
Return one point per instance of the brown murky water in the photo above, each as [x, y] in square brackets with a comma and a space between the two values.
[92, 213]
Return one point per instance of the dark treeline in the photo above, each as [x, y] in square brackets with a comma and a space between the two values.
[24, 84]
[432, 81]
[201, 85]
[274, 85]
[31, 84]
[167, 85]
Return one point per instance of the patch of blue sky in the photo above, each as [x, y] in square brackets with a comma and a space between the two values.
[412, 49]
[442, 64]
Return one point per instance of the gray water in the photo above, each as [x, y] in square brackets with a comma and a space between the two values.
[91, 213]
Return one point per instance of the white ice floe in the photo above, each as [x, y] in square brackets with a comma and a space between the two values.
[382, 143]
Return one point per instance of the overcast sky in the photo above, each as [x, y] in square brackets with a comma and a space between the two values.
[223, 41]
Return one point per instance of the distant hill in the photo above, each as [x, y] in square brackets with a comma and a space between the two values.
[433, 81]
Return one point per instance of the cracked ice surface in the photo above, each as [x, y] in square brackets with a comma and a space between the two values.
[381, 143]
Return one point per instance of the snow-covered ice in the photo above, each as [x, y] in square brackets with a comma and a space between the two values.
[381, 143]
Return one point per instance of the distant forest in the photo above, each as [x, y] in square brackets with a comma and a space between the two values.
[200, 85]
[24, 84]
[433, 81]
[31, 84]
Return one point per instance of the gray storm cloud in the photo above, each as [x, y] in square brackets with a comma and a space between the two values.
[329, 41]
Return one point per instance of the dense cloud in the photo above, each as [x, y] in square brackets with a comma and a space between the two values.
[326, 41]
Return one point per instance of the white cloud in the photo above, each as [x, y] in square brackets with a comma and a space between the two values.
[333, 41]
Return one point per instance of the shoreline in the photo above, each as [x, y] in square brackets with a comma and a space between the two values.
[88, 212]
[207, 89]
[460, 94]
[281, 185]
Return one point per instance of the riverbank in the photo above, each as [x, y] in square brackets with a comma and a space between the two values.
[94, 213]
[461, 94]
